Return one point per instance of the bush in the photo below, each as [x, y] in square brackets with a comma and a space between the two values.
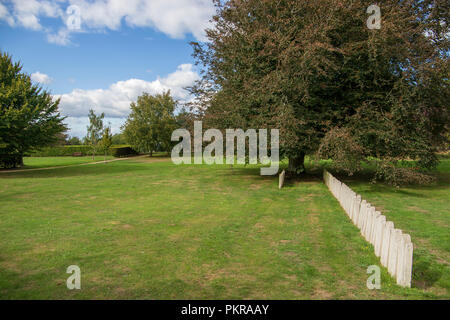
[62, 151]
[122, 151]
[116, 151]
[398, 176]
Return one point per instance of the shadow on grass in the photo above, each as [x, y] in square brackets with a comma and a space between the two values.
[160, 155]
[255, 174]
[291, 182]
[244, 172]
[416, 191]
[81, 170]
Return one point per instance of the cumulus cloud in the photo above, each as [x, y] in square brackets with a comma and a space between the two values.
[62, 37]
[77, 125]
[175, 18]
[42, 78]
[5, 15]
[26, 13]
[115, 100]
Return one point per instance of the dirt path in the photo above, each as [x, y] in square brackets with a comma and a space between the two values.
[71, 165]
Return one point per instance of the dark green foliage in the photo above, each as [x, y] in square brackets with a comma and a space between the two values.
[151, 122]
[115, 150]
[122, 151]
[118, 138]
[29, 118]
[61, 151]
[10, 160]
[73, 141]
[394, 174]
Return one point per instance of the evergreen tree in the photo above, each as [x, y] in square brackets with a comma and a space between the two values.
[29, 117]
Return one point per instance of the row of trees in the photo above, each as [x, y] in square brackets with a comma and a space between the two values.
[30, 119]
[147, 129]
[64, 139]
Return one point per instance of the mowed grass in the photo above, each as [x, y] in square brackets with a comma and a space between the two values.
[148, 229]
[46, 162]
[424, 213]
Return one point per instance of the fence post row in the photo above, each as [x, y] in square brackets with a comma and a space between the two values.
[392, 246]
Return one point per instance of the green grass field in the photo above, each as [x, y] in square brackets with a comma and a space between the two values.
[148, 229]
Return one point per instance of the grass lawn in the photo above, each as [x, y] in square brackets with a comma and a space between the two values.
[148, 229]
[45, 162]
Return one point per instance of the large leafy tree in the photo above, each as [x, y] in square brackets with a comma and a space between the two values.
[151, 122]
[315, 70]
[29, 117]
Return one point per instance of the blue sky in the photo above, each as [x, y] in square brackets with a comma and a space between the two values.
[121, 49]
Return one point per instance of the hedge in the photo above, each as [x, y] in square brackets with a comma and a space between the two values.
[122, 151]
[116, 151]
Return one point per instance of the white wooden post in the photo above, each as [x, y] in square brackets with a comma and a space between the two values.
[380, 225]
[388, 230]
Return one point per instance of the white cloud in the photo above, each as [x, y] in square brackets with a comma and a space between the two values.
[42, 78]
[115, 101]
[5, 15]
[62, 37]
[175, 18]
[77, 125]
[27, 12]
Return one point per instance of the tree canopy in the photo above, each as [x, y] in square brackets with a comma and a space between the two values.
[151, 122]
[106, 141]
[29, 116]
[315, 70]
[94, 131]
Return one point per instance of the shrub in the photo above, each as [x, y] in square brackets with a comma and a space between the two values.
[61, 151]
[122, 151]
[115, 150]
[397, 176]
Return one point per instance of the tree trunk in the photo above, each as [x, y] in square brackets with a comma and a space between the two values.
[21, 161]
[297, 164]
[151, 153]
